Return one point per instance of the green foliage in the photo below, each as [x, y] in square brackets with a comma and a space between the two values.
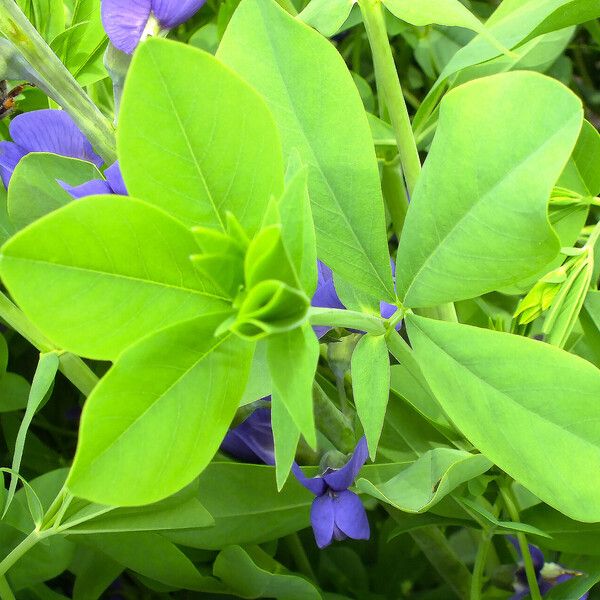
[312, 97]
[512, 165]
[204, 145]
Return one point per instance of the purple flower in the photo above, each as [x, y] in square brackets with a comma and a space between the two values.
[128, 22]
[548, 574]
[326, 297]
[336, 512]
[113, 184]
[44, 131]
[252, 440]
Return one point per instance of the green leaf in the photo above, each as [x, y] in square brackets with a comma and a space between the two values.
[286, 436]
[432, 477]
[246, 506]
[327, 16]
[313, 98]
[440, 12]
[81, 47]
[525, 405]
[127, 264]
[292, 357]
[259, 382]
[34, 190]
[298, 229]
[152, 555]
[463, 249]
[180, 511]
[182, 387]
[416, 392]
[252, 573]
[95, 572]
[7, 229]
[565, 535]
[371, 386]
[196, 140]
[582, 173]
[14, 392]
[43, 380]
[590, 321]
[47, 16]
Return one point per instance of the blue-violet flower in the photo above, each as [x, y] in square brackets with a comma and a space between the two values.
[548, 574]
[130, 22]
[44, 131]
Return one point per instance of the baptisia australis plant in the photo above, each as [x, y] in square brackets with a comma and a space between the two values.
[239, 247]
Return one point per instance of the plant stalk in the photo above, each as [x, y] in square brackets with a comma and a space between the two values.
[336, 317]
[70, 365]
[389, 84]
[479, 567]
[512, 509]
[5, 592]
[27, 544]
[56, 80]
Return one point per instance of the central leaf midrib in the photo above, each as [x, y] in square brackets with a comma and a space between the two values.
[145, 282]
[174, 111]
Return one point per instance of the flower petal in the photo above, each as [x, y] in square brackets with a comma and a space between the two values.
[350, 516]
[316, 485]
[252, 440]
[52, 131]
[322, 520]
[341, 479]
[325, 296]
[172, 13]
[10, 155]
[90, 188]
[124, 22]
[115, 179]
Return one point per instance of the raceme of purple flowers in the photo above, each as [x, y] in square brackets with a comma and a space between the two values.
[336, 512]
[128, 23]
[548, 574]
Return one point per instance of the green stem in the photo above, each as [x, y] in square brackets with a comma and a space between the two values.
[5, 591]
[336, 426]
[27, 544]
[479, 567]
[350, 319]
[511, 506]
[70, 365]
[297, 551]
[435, 547]
[443, 312]
[394, 192]
[389, 84]
[56, 80]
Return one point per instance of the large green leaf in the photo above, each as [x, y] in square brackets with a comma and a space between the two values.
[152, 555]
[100, 273]
[371, 386]
[313, 98]
[292, 357]
[34, 190]
[197, 140]
[478, 218]
[157, 418]
[327, 16]
[428, 480]
[252, 573]
[529, 407]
